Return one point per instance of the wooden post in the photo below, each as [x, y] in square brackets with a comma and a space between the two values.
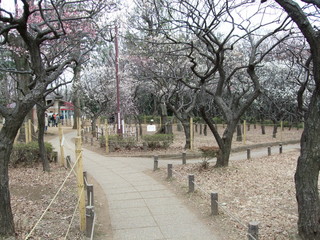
[269, 151]
[184, 158]
[244, 132]
[89, 217]
[253, 231]
[155, 163]
[191, 183]
[169, 171]
[214, 204]
[29, 129]
[280, 148]
[248, 153]
[61, 138]
[80, 182]
[78, 126]
[191, 134]
[107, 137]
[26, 132]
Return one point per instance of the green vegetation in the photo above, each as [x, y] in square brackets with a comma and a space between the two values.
[158, 140]
[28, 154]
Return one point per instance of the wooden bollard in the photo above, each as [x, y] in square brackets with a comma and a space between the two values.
[155, 163]
[89, 220]
[253, 231]
[191, 183]
[184, 158]
[169, 171]
[90, 198]
[214, 204]
[269, 151]
[280, 148]
[68, 160]
[248, 153]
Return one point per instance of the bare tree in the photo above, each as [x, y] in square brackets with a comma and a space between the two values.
[307, 173]
[48, 42]
[225, 51]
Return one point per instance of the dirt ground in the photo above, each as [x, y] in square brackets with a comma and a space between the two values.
[248, 189]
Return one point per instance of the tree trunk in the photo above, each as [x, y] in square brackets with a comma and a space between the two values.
[239, 133]
[41, 130]
[93, 126]
[275, 129]
[263, 129]
[225, 150]
[307, 174]
[186, 128]
[164, 119]
[7, 136]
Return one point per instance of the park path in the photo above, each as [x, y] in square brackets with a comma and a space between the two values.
[140, 207]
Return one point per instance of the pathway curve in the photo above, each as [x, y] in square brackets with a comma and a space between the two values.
[140, 207]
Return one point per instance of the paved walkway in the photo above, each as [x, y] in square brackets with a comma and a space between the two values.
[140, 207]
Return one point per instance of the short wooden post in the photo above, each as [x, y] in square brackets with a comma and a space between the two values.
[89, 220]
[169, 171]
[184, 158]
[269, 151]
[90, 198]
[29, 129]
[107, 137]
[191, 183]
[253, 231]
[155, 163]
[61, 138]
[214, 204]
[248, 153]
[280, 148]
[80, 182]
[26, 132]
[68, 160]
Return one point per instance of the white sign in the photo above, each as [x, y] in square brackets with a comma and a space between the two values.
[151, 128]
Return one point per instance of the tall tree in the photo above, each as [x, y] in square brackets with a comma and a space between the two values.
[225, 51]
[49, 45]
[305, 14]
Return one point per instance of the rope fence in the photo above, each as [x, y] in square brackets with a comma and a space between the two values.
[87, 213]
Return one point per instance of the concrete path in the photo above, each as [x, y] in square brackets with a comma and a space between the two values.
[140, 207]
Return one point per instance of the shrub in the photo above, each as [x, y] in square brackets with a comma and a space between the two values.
[158, 140]
[28, 154]
[118, 142]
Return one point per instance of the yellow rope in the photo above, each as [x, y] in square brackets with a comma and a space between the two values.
[54, 198]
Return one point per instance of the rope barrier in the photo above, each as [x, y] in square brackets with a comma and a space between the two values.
[73, 215]
[54, 198]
